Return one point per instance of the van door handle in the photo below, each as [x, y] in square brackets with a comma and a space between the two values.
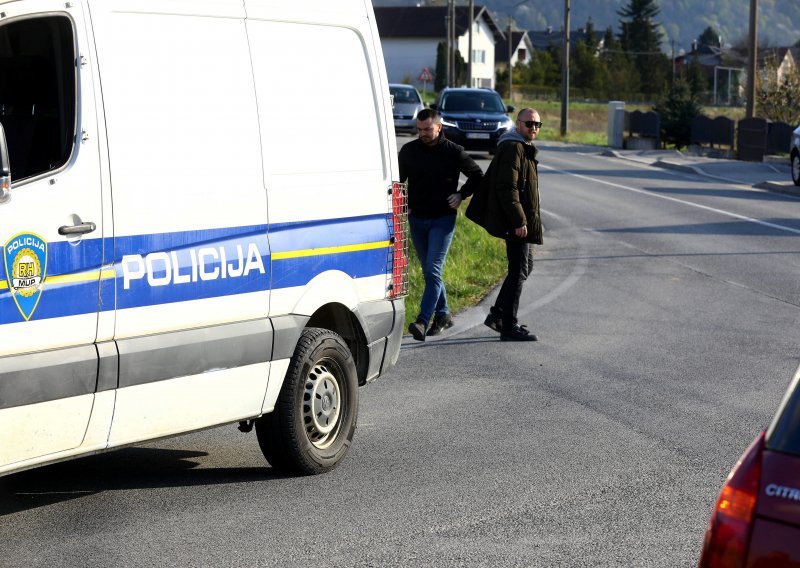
[79, 229]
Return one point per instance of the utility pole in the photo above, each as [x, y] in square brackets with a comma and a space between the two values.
[751, 63]
[447, 44]
[510, 68]
[452, 53]
[565, 74]
[471, 25]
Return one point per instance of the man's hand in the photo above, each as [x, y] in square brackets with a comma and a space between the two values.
[522, 232]
[454, 200]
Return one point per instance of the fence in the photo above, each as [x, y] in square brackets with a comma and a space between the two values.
[751, 138]
[644, 130]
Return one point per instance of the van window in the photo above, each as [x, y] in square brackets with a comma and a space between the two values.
[37, 93]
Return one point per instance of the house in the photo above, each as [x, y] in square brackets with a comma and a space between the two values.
[520, 49]
[783, 59]
[410, 36]
[726, 67]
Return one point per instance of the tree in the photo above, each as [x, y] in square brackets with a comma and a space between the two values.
[709, 37]
[587, 71]
[544, 68]
[778, 100]
[591, 41]
[698, 81]
[621, 77]
[641, 37]
[676, 111]
[459, 68]
[440, 76]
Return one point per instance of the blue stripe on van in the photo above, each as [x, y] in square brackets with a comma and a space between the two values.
[174, 267]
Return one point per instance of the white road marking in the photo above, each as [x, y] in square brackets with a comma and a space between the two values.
[676, 200]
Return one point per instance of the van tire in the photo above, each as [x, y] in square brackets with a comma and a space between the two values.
[796, 168]
[315, 416]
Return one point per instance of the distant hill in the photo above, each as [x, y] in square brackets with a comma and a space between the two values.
[682, 20]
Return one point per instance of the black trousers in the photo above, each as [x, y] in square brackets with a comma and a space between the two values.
[520, 264]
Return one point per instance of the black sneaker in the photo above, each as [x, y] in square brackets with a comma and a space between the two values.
[417, 330]
[440, 323]
[494, 322]
[517, 333]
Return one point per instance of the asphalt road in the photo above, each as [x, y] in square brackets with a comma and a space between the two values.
[667, 307]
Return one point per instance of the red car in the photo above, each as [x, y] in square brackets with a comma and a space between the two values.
[756, 521]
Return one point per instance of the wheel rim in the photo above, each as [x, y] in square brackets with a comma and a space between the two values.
[796, 168]
[322, 403]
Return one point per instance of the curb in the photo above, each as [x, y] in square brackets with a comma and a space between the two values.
[788, 188]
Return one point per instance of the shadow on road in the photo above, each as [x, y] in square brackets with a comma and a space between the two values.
[434, 342]
[128, 468]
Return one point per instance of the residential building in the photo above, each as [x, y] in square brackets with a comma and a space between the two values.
[520, 48]
[410, 36]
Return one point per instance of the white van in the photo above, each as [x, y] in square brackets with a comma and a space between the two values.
[186, 241]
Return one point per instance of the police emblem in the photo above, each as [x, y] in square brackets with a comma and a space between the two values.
[25, 261]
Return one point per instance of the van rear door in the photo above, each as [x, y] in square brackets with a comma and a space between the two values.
[51, 232]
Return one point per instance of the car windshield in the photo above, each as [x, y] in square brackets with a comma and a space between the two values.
[404, 95]
[480, 102]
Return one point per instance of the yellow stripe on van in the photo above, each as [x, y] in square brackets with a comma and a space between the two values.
[329, 250]
[104, 274]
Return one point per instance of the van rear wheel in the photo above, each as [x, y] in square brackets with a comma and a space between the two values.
[315, 416]
[796, 168]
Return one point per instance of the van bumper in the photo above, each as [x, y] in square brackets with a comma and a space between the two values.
[383, 322]
[396, 336]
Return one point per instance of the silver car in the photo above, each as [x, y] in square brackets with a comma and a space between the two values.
[407, 103]
[795, 156]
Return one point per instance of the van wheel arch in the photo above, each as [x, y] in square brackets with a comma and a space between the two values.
[339, 319]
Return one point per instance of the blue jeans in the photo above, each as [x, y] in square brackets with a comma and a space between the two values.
[432, 238]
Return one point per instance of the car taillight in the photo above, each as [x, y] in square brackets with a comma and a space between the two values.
[398, 286]
[728, 533]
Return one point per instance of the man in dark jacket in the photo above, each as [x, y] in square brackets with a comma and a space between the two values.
[432, 164]
[513, 214]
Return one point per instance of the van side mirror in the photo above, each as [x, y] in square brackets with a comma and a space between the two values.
[433, 106]
[509, 109]
[5, 168]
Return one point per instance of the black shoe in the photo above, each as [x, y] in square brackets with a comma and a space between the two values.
[494, 322]
[417, 330]
[517, 333]
[440, 323]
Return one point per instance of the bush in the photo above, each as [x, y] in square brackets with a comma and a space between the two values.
[677, 110]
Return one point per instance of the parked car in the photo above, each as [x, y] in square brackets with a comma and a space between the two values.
[756, 520]
[795, 156]
[406, 104]
[473, 118]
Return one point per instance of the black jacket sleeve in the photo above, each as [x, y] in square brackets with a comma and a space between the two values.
[473, 172]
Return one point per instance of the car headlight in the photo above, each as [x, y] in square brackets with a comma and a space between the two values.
[449, 123]
[507, 123]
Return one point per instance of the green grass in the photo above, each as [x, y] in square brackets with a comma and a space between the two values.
[475, 264]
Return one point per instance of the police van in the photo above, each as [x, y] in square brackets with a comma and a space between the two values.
[185, 241]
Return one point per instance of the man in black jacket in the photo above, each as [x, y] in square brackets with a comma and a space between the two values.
[432, 164]
[513, 213]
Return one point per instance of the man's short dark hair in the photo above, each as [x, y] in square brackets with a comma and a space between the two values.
[427, 113]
